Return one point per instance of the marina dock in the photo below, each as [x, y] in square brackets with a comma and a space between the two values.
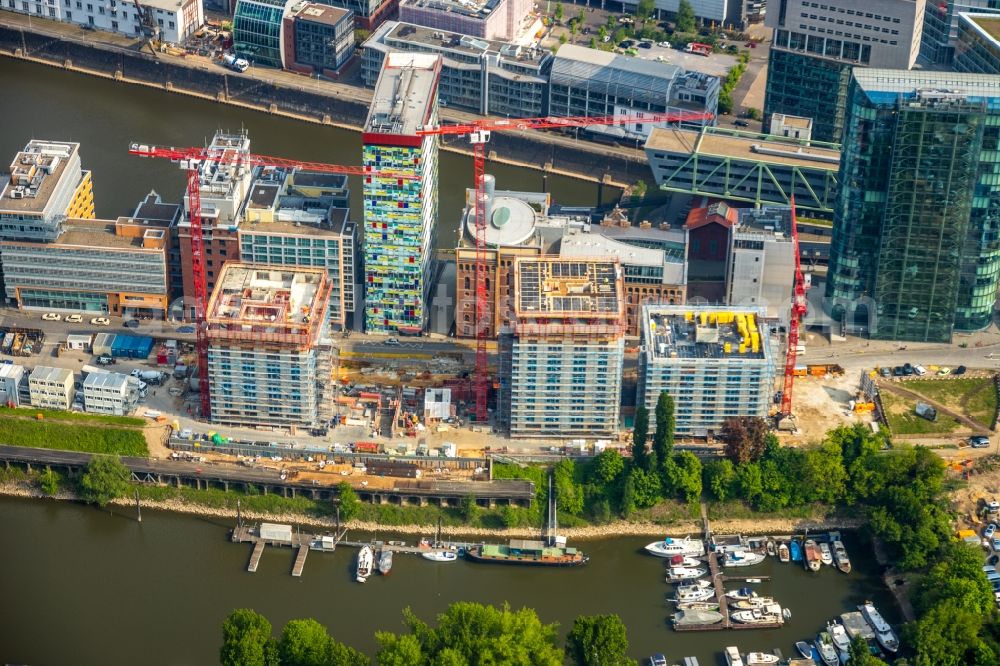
[271, 534]
[719, 580]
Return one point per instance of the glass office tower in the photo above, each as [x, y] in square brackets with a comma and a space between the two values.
[258, 29]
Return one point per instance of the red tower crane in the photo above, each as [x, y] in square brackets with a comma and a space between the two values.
[191, 160]
[479, 135]
[797, 313]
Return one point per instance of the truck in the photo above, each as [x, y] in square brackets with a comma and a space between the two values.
[700, 49]
[366, 447]
[234, 63]
[149, 376]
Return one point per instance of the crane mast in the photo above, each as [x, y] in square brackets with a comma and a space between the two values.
[798, 311]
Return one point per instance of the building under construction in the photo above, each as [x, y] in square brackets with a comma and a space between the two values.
[270, 356]
[561, 366]
[715, 363]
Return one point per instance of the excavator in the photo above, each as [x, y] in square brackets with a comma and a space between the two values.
[150, 28]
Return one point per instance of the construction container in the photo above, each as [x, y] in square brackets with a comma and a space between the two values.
[449, 450]
[102, 344]
[394, 468]
[366, 447]
[132, 346]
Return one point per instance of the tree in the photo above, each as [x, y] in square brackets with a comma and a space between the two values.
[753, 113]
[745, 438]
[246, 640]
[106, 478]
[686, 476]
[581, 17]
[944, 635]
[469, 508]
[304, 643]
[644, 9]
[48, 481]
[563, 39]
[349, 502]
[725, 101]
[598, 640]
[569, 494]
[645, 488]
[471, 633]
[559, 12]
[593, 42]
[640, 431]
[957, 577]
[607, 468]
[663, 438]
[685, 20]
[860, 655]
[720, 477]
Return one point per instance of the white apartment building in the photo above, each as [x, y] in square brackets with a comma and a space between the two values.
[177, 19]
[109, 393]
[51, 388]
[11, 379]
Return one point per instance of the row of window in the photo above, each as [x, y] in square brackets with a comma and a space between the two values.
[850, 12]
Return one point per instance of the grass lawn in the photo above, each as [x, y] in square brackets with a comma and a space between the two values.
[903, 420]
[56, 415]
[72, 437]
[976, 397]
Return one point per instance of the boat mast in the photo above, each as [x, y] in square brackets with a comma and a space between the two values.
[553, 519]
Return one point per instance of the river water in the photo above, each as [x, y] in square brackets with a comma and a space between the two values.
[82, 586]
[105, 117]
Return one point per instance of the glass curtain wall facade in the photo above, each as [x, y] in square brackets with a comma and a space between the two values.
[941, 27]
[808, 86]
[910, 141]
[257, 31]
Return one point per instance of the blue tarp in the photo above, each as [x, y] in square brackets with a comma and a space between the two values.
[132, 346]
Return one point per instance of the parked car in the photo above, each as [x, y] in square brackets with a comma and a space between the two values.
[626, 44]
[885, 372]
[897, 371]
[907, 369]
[392, 341]
[920, 370]
[131, 323]
[996, 544]
[741, 123]
[944, 371]
[645, 45]
[960, 370]
[979, 442]
[185, 329]
[751, 45]
[100, 321]
[665, 45]
[992, 506]
[74, 318]
[105, 360]
[51, 316]
[989, 531]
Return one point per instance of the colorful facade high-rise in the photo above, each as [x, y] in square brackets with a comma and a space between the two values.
[401, 195]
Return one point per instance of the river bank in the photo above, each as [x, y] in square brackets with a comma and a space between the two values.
[618, 528]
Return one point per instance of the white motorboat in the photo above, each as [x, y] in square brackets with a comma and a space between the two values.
[841, 641]
[733, 657]
[813, 558]
[770, 614]
[440, 556]
[694, 594]
[742, 558]
[783, 552]
[883, 632]
[840, 557]
[749, 604]
[697, 617]
[761, 659]
[684, 561]
[675, 574]
[701, 582]
[670, 547]
[698, 605]
[825, 554]
[742, 593]
[366, 559]
[827, 651]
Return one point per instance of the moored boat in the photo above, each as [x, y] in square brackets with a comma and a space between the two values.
[656, 660]
[365, 560]
[795, 548]
[840, 557]
[676, 574]
[694, 594]
[697, 605]
[770, 614]
[838, 635]
[825, 554]
[783, 553]
[742, 593]
[385, 562]
[883, 632]
[733, 657]
[761, 659]
[804, 649]
[749, 604]
[688, 617]
[684, 561]
[812, 557]
[742, 558]
[770, 548]
[528, 552]
[826, 649]
[670, 547]
[856, 625]
[440, 555]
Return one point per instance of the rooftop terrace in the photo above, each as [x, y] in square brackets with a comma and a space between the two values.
[403, 99]
[34, 174]
[679, 332]
[558, 288]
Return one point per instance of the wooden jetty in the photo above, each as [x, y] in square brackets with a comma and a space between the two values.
[258, 550]
[718, 580]
[300, 561]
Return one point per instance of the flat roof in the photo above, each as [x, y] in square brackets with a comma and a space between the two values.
[558, 287]
[884, 85]
[266, 294]
[690, 332]
[332, 226]
[400, 31]
[45, 373]
[402, 102]
[989, 24]
[110, 380]
[152, 210]
[97, 233]
[595, 244]
[768, 148]
[34, 174]
[478, 9]
[11, 371]
[792, 121]
[322, 13]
